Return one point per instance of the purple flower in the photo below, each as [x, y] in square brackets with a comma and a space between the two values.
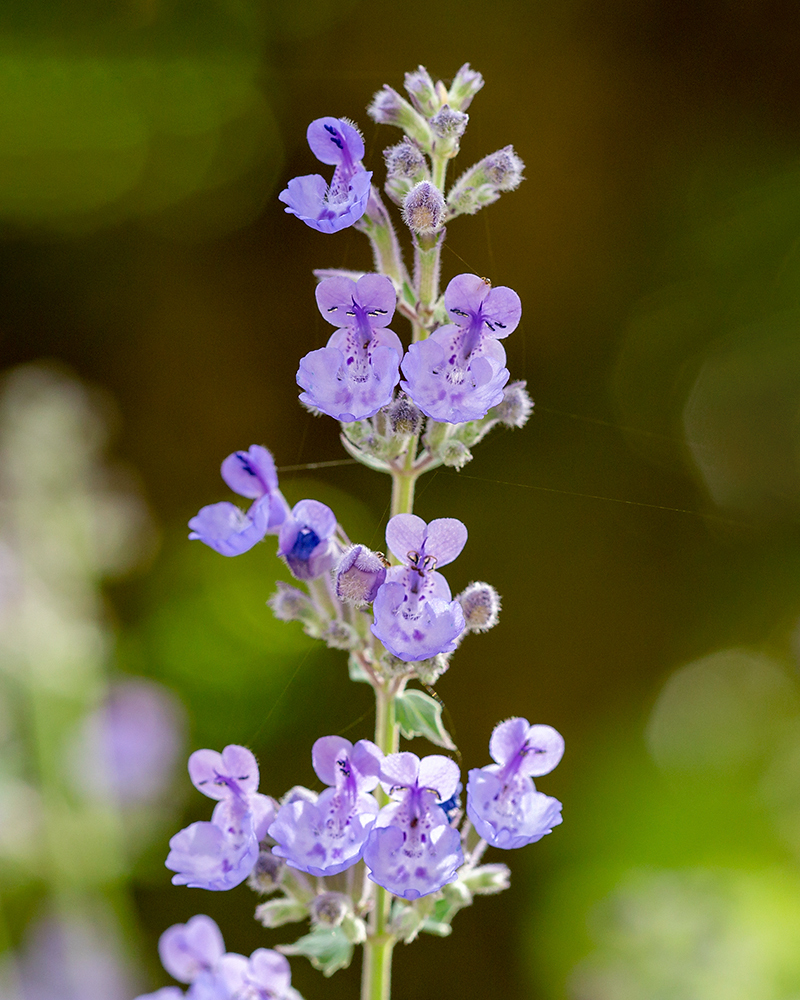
[220, 854]
[224, 526]
[194, 953]
[188, 949]
[306, 540]
[502, 801]
[415, 616]
[264, 976]
[412, 849]
[355, 375]
[325, 208]
[458, 373]
[126, 749]
[327, 836]
[75, 956]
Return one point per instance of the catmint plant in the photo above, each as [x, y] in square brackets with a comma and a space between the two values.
[387, 849]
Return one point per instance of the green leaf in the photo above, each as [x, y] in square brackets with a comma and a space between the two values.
[420, 715]
[327, 948]
[356, 671]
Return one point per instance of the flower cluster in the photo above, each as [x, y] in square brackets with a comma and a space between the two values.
[220, 854]
[410, 846]
[383, 850]
[194, 954]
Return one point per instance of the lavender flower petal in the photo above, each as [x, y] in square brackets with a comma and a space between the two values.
[470, 298]
[418, 631]
[188, 949]
[334, 141]
[539, 747]
[250, 473]
[509, 814]
[234, 772]
[339, 299]
[227, 529]
[414, 867]
[330, 208]
[451, 384]
[204, 856]
[413, 851]
[327, 835]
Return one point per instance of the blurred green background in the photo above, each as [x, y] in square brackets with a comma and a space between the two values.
[642, 529]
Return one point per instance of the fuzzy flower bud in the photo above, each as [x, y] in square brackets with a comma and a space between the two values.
[464, 87]
[487, 880]
[330, 908]
[423, 209]
[404, 416]
[389, 108]
[480, 603]
[429, 671]
[516, 406]
[290, 604]
[278, 912]
[455, 454]
[405, 166]
[449, 124]
[267, 875]
[503, 169]
[359, 575]
[340, 635]
[483, 183]
[423, 91]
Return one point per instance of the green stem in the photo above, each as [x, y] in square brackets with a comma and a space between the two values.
[376, 979]
[376, 223]
[439, 164]
[427, 262]
[376, 976]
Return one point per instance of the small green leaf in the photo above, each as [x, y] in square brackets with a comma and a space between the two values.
[420, 715]
[327, 948]
[356, 671]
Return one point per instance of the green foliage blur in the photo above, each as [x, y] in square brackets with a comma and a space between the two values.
[642, 529]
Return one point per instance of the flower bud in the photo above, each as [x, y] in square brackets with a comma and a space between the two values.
[464, 87]
[278, 912]
[449, 124]
[423, 209]
[483, 183]
[359, 575]
[515, 407]
[267, 874]
[429, 671]
[503, 169]
[405, 159]
[455, 454]
[422, 90]
[340, 635]
[480, 603]
[487, 879]
[389, 108]
[457, 894]
[407, 921]
[330, 908]
[405, 166]
[290, 604]
[404, 417]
